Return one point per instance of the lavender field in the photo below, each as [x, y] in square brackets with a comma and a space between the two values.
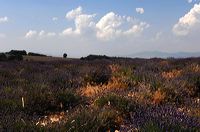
[102, 95]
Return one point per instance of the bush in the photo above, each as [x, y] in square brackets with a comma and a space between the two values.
[68, 99]
[17, 52]
[3, 57]
[64, 55]
[40, 103]
[97, 77]
[14, 57]
[95, 57]
[35, 54]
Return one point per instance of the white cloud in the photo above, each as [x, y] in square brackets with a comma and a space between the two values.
[189, 22]
[137, 29]
[110, 26]
[30, 34]
[74, 13]
[41, 34]
[54, 19]
[3, 19]
[139, 10]
[107, 27]
[83, 22]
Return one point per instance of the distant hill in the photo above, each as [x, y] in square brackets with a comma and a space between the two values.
[158, 54]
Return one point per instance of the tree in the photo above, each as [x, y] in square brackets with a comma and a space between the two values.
[3, 57]
[64, 55]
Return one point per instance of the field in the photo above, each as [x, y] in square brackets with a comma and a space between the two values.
[100, 95]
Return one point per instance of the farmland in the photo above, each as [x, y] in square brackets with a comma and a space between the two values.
[100, 95]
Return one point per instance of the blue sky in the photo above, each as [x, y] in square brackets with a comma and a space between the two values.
[81, 27]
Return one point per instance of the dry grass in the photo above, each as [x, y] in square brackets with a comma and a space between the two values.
[172, 74]
[52, 119]
[158, 97]
[115, 83]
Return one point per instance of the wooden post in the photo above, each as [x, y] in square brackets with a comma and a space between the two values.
[23, 102]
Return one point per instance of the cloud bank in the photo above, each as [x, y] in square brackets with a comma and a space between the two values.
[189, 23]
[42, 34]
[108, 27]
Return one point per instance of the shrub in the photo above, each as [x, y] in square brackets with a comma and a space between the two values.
[17, 52]
[100, 76]
[35, 54]
[95, 57]
[3, 57]
[64, 55]
[40, 103]
[14, 57]
[68, 99]
[44, 101]
[171, 96]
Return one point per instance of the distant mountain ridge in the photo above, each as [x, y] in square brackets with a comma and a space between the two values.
[158, 54]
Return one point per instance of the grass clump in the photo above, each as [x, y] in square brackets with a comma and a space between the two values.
[120, 103]
[68, 99]
[94, 121]
[150, 126]
[41, 103]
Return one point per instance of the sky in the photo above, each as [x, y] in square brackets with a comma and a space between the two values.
[110, 27]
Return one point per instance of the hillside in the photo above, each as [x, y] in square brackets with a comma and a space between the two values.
[100, 95]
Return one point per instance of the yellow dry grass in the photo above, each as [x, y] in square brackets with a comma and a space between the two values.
[172, 74]
[195, 68]
[158, 97]
[50, 119]
[115, 83]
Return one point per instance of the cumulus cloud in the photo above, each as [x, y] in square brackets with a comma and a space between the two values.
[3, 19]
[189, 22]
[110, 26]
[41, 34]
[74, 13]
[30, 34]
[139, 10]
[83, 22]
